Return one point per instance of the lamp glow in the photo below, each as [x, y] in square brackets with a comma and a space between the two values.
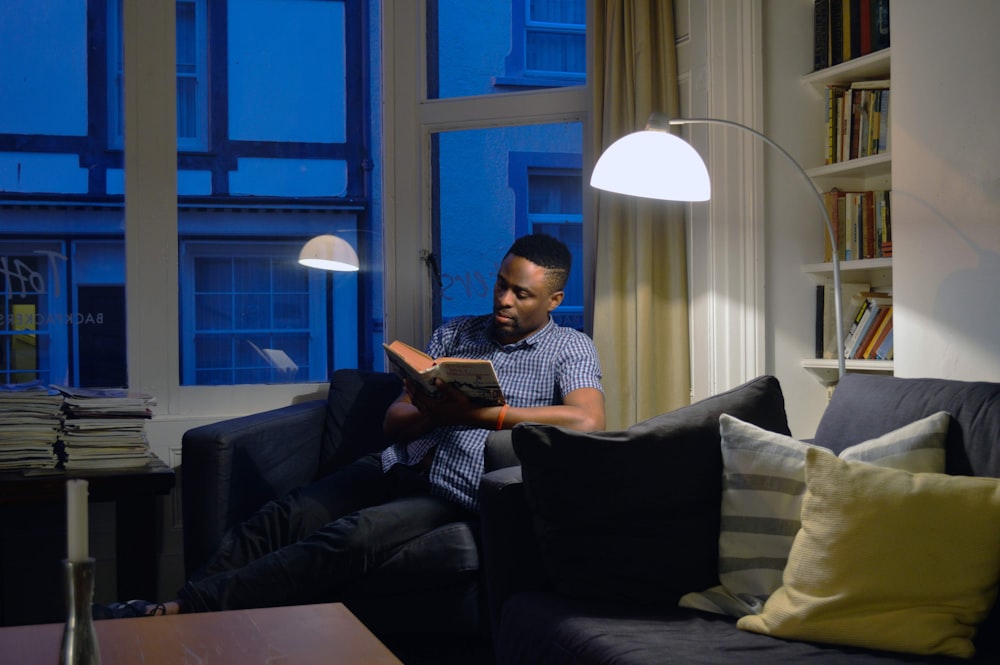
[328, 252]
[655, 164]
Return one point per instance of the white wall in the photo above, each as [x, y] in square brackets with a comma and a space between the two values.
[793, 117]
[946, 188]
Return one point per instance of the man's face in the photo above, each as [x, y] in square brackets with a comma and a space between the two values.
[521, 299]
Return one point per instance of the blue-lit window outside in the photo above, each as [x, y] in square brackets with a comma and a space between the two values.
[511, 180]
[555, 208]
[252, 316]
[192, 74]
[548, 43]
[284, 161]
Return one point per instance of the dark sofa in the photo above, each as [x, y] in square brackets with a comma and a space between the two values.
[589, 545]
[425, 602]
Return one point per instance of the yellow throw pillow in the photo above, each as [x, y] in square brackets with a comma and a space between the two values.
[888, 559]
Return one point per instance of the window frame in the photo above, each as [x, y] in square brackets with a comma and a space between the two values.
[410, 120]
[115, 73]
[192, 250]
[518, 73]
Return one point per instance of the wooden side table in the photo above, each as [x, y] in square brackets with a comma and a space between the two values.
[133, 492]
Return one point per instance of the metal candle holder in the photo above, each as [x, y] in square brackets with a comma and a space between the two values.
[79, 643]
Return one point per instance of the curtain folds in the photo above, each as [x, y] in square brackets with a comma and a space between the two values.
[641, 296]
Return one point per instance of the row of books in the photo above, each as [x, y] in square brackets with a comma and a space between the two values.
[867, 323]
[870, 334]
[848, 29]
[856, 120]
[50, 427]
[862, 223]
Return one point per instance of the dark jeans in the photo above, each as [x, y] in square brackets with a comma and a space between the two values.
[306, 547]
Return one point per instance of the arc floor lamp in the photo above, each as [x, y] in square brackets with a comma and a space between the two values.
[653, 163]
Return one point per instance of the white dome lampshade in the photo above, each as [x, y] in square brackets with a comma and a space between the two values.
[653, 164]
[329, 252]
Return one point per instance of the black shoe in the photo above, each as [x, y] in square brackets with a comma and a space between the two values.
[129, 610]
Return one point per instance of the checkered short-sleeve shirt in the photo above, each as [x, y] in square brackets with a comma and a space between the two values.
[539, 370]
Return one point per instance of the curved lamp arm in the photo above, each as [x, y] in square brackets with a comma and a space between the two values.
[653, 163]
[835, 258]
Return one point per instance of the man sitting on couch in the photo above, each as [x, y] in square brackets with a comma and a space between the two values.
[309, 545]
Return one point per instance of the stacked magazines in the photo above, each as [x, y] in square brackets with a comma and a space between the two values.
[30, 424]
[105, 428]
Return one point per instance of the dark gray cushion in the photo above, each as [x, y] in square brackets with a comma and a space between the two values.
[633, 515]
[355, 409]
[867, 406]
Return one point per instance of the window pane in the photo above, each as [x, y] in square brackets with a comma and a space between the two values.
[495, 185]
[62, 300]
[275, 155]
[478, 48]
[558, 11]
[284, 163]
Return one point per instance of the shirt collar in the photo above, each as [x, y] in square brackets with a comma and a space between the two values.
[531, 339]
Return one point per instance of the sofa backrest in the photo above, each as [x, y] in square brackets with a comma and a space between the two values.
[866, 406]
[355, 409]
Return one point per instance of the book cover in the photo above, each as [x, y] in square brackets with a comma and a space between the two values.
[868, 222]
[854, 46]
[836, 32]
[884, 351]
[883, 330]
[865, 27]
[821, 34]
[820, 320]
[880, 24]
[883, 132]
[476, 378]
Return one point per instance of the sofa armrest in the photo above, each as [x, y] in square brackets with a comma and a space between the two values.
[512, 560]
[499, 452]
[230, 468]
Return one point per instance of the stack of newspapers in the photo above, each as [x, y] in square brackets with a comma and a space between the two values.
[30, 424]
[105, 428]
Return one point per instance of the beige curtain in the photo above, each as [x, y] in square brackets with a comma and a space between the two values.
[640, 298]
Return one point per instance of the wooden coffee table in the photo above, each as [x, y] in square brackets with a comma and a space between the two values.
[298, 635]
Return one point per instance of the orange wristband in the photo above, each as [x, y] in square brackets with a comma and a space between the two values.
[503, 412]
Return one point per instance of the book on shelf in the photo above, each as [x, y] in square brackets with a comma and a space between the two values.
[884, 351]
[863, 319]
[821, 34]
[848, 29]
[885, 326]
[862, 223]
[856, 120]
[475, 377]
[864, 339]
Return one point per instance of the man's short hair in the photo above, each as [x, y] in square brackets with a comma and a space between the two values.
[549, 253]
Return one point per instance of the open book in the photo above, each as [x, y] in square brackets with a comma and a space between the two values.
[475, 378]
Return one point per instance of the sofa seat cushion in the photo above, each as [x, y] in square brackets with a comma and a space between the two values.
[430, 586]
[542, 627]
[634, 515]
